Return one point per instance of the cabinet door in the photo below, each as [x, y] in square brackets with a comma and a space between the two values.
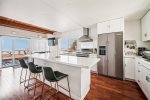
[146, 81]
[144, 28]
[116, 25]
[103, 27]
[148, 24]
[130, 68]
[111, 55]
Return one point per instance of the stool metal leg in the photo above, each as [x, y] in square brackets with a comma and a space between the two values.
[29, 79]
[42, 88]
[21, 75]
[25, 79]
[57, 86]
[69, 87]
[35, 84]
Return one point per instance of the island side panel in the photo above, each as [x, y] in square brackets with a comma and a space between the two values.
[74, 77]
[85, 81]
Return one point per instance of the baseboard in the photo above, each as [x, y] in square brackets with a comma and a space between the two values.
[132, 80]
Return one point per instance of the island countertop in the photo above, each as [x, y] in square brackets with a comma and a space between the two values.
[81, 62]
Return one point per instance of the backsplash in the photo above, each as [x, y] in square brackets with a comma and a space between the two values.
[130, 47]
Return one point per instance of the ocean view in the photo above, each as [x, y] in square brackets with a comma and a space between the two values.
[13, 43]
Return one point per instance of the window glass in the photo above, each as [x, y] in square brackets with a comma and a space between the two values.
[68, 44]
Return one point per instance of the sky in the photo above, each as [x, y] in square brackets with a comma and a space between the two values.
[66, 43]
[19, 43]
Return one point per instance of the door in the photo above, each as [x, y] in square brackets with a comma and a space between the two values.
[144, 28]
[111, 54]
[146, 80]
[130, 68]
[148, 24]
[102, 65]
[119, 54]
[7, 51]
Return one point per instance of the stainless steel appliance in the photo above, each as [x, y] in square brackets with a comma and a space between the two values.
[82, 54]
[111, 54]
[141, 50]
[85, 37]
[146, 55]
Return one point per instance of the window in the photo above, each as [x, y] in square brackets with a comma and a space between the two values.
[13, 48]
[68, 44]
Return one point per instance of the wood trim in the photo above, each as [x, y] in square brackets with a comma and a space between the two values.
[8, 22]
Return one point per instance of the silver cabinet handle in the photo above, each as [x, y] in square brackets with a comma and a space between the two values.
[139, 71]
[148, 79]
[145, 34]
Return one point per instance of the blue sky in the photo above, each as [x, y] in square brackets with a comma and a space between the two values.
[66, 43]
[19, 43]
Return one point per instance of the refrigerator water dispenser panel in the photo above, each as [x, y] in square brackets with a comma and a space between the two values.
[102, 50]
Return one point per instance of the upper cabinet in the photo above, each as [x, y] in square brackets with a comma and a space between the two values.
[115, 25]
[145, 23]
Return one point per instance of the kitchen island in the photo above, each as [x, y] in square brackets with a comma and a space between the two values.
[78, 69]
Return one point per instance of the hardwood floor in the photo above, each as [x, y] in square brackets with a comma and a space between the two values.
[102, 88]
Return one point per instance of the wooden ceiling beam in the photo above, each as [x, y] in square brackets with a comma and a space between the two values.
[8, 22]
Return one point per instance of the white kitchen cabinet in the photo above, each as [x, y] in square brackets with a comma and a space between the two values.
[104, 27]
[142, 76]
[145, 23]
[115, 25]
[146, 81]
[129, 68]
[138, 73]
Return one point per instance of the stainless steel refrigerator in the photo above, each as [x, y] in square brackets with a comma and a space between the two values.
[110, 49]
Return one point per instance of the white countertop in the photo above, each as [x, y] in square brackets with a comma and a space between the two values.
[75, 61]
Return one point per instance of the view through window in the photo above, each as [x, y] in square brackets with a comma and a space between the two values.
[68, 44]
[13, 48]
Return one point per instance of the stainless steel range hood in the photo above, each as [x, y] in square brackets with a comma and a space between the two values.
[85, 37]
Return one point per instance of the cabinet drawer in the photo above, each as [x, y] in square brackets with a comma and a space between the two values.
[146, 81]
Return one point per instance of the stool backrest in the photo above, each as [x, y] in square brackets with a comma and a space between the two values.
[32, 67]
[49, 74]
[22, 63]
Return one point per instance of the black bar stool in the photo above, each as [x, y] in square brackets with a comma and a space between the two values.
[55, 76]
[24, 66]
[36, 71]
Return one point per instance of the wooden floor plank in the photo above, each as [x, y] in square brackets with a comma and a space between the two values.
[102, 88]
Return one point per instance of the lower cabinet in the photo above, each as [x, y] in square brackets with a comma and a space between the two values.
[129, 71]
[142, 77]
[146, 81]
[138, 73]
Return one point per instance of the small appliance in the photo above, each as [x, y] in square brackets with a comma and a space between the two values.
[141, 50]
[146, 54]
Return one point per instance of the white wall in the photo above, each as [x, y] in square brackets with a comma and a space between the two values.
[133, 32]
[93, 34]
[73, 34]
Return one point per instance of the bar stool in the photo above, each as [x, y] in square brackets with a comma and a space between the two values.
[24, 67]
[36, 71]
[55, 76]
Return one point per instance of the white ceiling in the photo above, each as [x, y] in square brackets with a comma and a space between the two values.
[65, 15]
